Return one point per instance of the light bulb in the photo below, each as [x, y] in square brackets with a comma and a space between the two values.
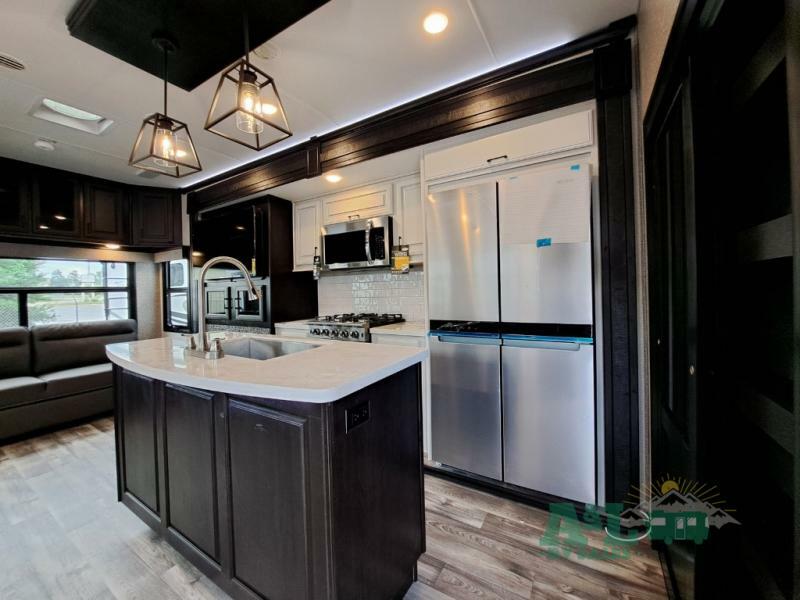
[268, 109]
[249, 104]
[435, 22]
[164, 146]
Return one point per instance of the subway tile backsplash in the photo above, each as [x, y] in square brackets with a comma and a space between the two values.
[379, 292]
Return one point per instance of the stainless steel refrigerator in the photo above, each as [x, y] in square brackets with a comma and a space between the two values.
[512, 348]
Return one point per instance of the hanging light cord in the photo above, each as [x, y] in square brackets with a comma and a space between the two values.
[246, 38]
[166, 53]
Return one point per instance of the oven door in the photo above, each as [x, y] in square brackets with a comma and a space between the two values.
[357, 244]
[245, 309]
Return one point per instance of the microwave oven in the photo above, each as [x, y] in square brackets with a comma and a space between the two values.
[357, 244]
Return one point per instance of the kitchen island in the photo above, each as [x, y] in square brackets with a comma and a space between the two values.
[285, 469]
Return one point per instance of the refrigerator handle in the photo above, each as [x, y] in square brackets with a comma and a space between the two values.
[464, 339]
[543, 344]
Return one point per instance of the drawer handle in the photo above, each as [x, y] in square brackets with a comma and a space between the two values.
[349, 217]
[503, 156]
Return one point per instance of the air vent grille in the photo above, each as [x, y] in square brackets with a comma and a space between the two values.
[10, 62]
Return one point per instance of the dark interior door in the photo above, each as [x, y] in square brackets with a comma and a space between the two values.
[673, 314]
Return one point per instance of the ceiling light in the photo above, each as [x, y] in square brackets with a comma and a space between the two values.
[246, 108]
[240, 228]
[164, 144]
[43, 227]
[197, 254]
[333, 177]
[113, 246]
[59, 217]
[45, 145]
[436, 22]
[70, 111]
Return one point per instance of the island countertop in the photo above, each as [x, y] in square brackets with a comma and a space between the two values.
[323, 374]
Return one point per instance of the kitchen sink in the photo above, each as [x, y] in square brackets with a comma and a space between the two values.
[261, 349]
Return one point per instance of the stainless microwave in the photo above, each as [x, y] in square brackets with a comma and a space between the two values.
[357, 244]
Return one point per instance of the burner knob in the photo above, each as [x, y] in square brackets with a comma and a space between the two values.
[334, 333]
[315, 331]
[324, 332]
[354, 334]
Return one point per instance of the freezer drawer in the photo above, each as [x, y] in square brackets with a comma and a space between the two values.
[465, 404]
[549, 418]
[462, 254]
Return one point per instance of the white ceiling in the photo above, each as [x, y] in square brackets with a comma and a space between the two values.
[347, 60]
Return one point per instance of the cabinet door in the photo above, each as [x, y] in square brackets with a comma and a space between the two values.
[105, 209]
[56, 205]
[191, 492]
[156, 218]
[268, 484]
[137, 418]
[360, 203]
[408, 225]
[307, 223]
[14, 199]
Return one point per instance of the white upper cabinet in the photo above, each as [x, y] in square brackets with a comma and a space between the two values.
[359, 203]
[307, 223]
[408, 223]
[540, 139]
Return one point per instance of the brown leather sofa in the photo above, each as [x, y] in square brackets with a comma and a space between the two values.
[55, 374]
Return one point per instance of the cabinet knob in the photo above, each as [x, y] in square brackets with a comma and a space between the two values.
[691, 369]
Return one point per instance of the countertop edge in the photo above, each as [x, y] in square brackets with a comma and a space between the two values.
[312, 396]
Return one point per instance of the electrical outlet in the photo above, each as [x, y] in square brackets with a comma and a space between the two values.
[356, 416]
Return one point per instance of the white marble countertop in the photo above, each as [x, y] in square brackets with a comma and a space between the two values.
[413, 328]
[323, 374]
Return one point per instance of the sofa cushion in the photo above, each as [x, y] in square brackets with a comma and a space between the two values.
[15, 391]
[15, 352]
[71, 345]
[77, 380]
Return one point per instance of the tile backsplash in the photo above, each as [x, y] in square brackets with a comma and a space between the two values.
[379, 292]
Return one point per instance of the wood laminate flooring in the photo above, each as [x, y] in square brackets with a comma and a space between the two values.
[63, 535]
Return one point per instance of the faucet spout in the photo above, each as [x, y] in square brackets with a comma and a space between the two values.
[203, 345]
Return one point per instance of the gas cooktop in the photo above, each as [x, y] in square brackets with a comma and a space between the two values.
[351, 327]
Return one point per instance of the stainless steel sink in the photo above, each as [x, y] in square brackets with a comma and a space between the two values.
[261, 349]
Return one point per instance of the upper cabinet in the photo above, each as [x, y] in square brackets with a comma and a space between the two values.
[408, 225]
[358, 203]
[105, 212]
[156, 218]
[57, 205]
[15, 202]
[540, 139]
[307, 224]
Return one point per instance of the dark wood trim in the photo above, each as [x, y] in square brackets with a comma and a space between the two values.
[524, 88]
[618, 270]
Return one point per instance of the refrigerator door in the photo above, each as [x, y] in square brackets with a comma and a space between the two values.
[549, 417]
[465, 404]
[545, 246]
[462, 254]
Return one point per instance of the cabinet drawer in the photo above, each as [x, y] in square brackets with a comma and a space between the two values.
[549, 137]
[361, 203]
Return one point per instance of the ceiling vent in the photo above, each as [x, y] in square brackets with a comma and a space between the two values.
[9, 62]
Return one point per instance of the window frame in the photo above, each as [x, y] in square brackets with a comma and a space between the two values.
[167, 288]
[22, 293]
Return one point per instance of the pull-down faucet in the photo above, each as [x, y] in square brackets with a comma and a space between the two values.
[199, 345]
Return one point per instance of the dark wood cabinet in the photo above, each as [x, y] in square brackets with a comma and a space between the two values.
[190, 450]
[56, 203]
[105, 212]
[156, 216]
[268, 481]
[15, 199]
[137, 404]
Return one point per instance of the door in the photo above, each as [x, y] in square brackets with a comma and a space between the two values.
[14, 198]
[190, 450]
[137, 417]
[307, 223]
[673, 311]
[465, 404]
[156, 218]
[549, 417]
[268, 502]
[56, 205]
[105, 212]
[461, 228]
[545, 246]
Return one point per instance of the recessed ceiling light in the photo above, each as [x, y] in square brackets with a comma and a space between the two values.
[113, 246]
[43, 227]
[45, 145]
[436, 22]
[240, 228]
[59, 217]
[197, 254]
[333, 178]
[70, 111]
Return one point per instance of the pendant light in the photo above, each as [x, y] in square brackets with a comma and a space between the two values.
[164, 144]
[246, 108]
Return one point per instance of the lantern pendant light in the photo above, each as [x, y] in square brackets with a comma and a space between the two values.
[246, 108]
[164, 144]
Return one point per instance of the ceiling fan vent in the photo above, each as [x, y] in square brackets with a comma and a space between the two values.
[10, 62]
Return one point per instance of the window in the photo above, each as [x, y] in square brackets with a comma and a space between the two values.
[177, 299]
[37, 291]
